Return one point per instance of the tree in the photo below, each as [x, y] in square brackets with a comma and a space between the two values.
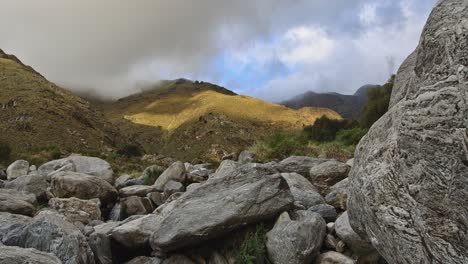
[325, 129]
[378, 100]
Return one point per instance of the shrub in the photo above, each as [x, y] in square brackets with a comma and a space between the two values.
[280, 145]
[336, 150]
[253, 248]
[378, 100]
[351, 136]
[151, 174]
[5, 152]
[129, 150]
[325, 129]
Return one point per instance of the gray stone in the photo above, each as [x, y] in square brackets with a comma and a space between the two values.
[225, 169]
[100, 242]
[246, 157]
[82, 186]
[338, 195]
[299, 164]
[297, 240]
[17, 255]
[77, 210]
[350, 162]
[332, 257]
[302, 190]
[34, 184]
[17, 169]
[136, 190]
[144, 260]
[173, 187]
[157, 198]
[123, 181]
[346, 233]
[221, 205]
[135, 234]
[327, 174]
[135, 205]
[15, 202]
[408, 193]
[327, 211]
[175, 172]
[12, 227]
[51, 232]
[193, 186]
[330, 242]
[178, 259]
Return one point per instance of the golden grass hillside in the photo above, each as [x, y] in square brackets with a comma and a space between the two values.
[186, 120]
[35, 114]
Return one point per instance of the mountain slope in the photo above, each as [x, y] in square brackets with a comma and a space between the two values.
[348, 106]
[185, 119]
[35, 113]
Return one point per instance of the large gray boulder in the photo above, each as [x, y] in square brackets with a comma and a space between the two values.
[15, 202]
[299, 164]
[297, 240]
[302, 190]
[82, 186]
[12, 227]
[34, 184]
[409, 181]
[51, 232]
[136, 234]
[175, 172]
[82, 164]
[77, 210]
[221, 205]
[17, 255]
[327, 174]
[17, 169]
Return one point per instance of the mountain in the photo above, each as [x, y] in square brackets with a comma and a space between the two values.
[348, 106]
[35, 113]
[185, 119]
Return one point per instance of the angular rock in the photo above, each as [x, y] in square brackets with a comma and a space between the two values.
[332, 257]
[15, 202]
[12, 227]
[221, 205]
[327, 211]
[297, 240]
[54, 166]
[135, 205]
[327, 174]
[34, 184]
[175, 172]
[302, 190]
[77, 210]
[17, 169]
[408, 193]
[135, 234]
[338, 195]
[246, 157]
[136, 190]
[299, 164]
[192, 186]
[123, 181]
[82, 186]
[346, 233]
[51, 232]
[173, 187]
[100, 242]
[225, 168]
[157, 198]
[17, 255]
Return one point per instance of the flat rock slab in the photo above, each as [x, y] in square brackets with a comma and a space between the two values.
[17, 255]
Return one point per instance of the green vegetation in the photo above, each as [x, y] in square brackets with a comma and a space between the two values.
[5, 152]
[378, 99]
[129, 150]
[151, 174]
[253, 247]
[351, 136]
[281, 145]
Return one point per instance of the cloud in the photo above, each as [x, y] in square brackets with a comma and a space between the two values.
[110, 46]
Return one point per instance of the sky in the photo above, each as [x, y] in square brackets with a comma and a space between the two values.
[270, 49]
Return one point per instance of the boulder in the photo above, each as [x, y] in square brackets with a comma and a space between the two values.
[327, 211]
[82, 186]
[327, 174]
[338, 195]
[178, 259]
[144, 260]
[123, 181]
[408, 193]
[77, 210]
[136, 190]
[221, 205]
[246, 157]
[175, 172]
[51, 232]
[135, 234]
[17, 169]
[198, 173]
[15, 202]
[34, 184]
[135, 205]
[81, 164]
[173, 187]
[332, 257]
[156, 197]
[17, 255]
[302, 190]
[346, 233]
[100, 242]
[12, 227]
[297, 240]
[299, 164]
[225, 169]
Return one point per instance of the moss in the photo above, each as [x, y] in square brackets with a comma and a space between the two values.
[253, 248]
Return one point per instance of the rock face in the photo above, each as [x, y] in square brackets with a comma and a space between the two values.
[408, 183]
[82, 186]
[296, 241]
[17, 255]
[16, 202]
[77, 210]
[17, 169]
[219, 206]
